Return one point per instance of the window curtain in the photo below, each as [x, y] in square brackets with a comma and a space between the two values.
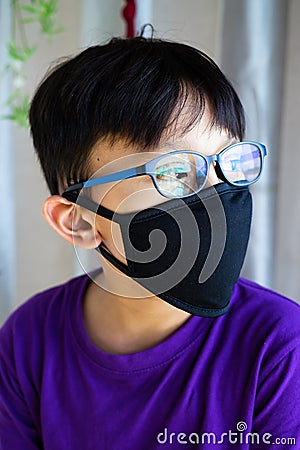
[251, 53]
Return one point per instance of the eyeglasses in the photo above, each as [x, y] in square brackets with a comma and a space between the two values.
[183, 173]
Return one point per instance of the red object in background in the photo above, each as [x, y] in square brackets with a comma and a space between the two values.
[128, 13]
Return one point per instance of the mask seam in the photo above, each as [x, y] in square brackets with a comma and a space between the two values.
[195, 308]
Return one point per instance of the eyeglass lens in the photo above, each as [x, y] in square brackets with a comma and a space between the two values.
[181, 174]
[241, 163]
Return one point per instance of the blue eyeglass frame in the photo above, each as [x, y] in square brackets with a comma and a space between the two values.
[149, 169]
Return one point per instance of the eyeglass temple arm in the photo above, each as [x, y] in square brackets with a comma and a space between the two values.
[117, 176]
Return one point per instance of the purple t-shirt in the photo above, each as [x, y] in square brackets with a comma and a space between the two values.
[226, 382]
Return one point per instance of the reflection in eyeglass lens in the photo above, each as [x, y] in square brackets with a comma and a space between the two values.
[241, 163]
[176, 175]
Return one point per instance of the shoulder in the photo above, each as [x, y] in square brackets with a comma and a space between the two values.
[267, 305]
[28, 321]
[41, 302]
[35, 331]
[267, 319]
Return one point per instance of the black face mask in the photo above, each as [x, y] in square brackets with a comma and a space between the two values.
[189, 252]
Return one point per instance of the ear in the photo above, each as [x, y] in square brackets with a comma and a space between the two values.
[75, 224]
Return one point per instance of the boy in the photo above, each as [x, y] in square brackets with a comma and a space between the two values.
[141, 144]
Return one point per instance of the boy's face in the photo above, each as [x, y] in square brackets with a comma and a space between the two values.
[139, 193]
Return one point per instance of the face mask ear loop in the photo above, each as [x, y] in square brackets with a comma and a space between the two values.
[114, 261]
[89, 204]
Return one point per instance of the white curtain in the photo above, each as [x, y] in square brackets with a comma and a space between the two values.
[252, 46]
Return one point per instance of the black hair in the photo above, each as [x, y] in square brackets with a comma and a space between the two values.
[130, 88]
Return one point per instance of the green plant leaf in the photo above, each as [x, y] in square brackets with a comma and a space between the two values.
[28, 52]
[19, 53]
[13, 51]
[30, 9]
[20, 50]
[19, 107]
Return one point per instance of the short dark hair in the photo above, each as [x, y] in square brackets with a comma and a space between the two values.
[127, 88]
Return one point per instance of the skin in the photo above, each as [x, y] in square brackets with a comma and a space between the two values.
[119, 315]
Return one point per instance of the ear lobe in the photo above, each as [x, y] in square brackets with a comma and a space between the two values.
[67, 220]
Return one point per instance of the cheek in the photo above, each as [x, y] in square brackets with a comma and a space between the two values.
[132, 195]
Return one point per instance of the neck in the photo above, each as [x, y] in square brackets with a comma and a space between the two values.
[122, 317]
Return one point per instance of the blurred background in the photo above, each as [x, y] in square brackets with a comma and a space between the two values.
[257, 45]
